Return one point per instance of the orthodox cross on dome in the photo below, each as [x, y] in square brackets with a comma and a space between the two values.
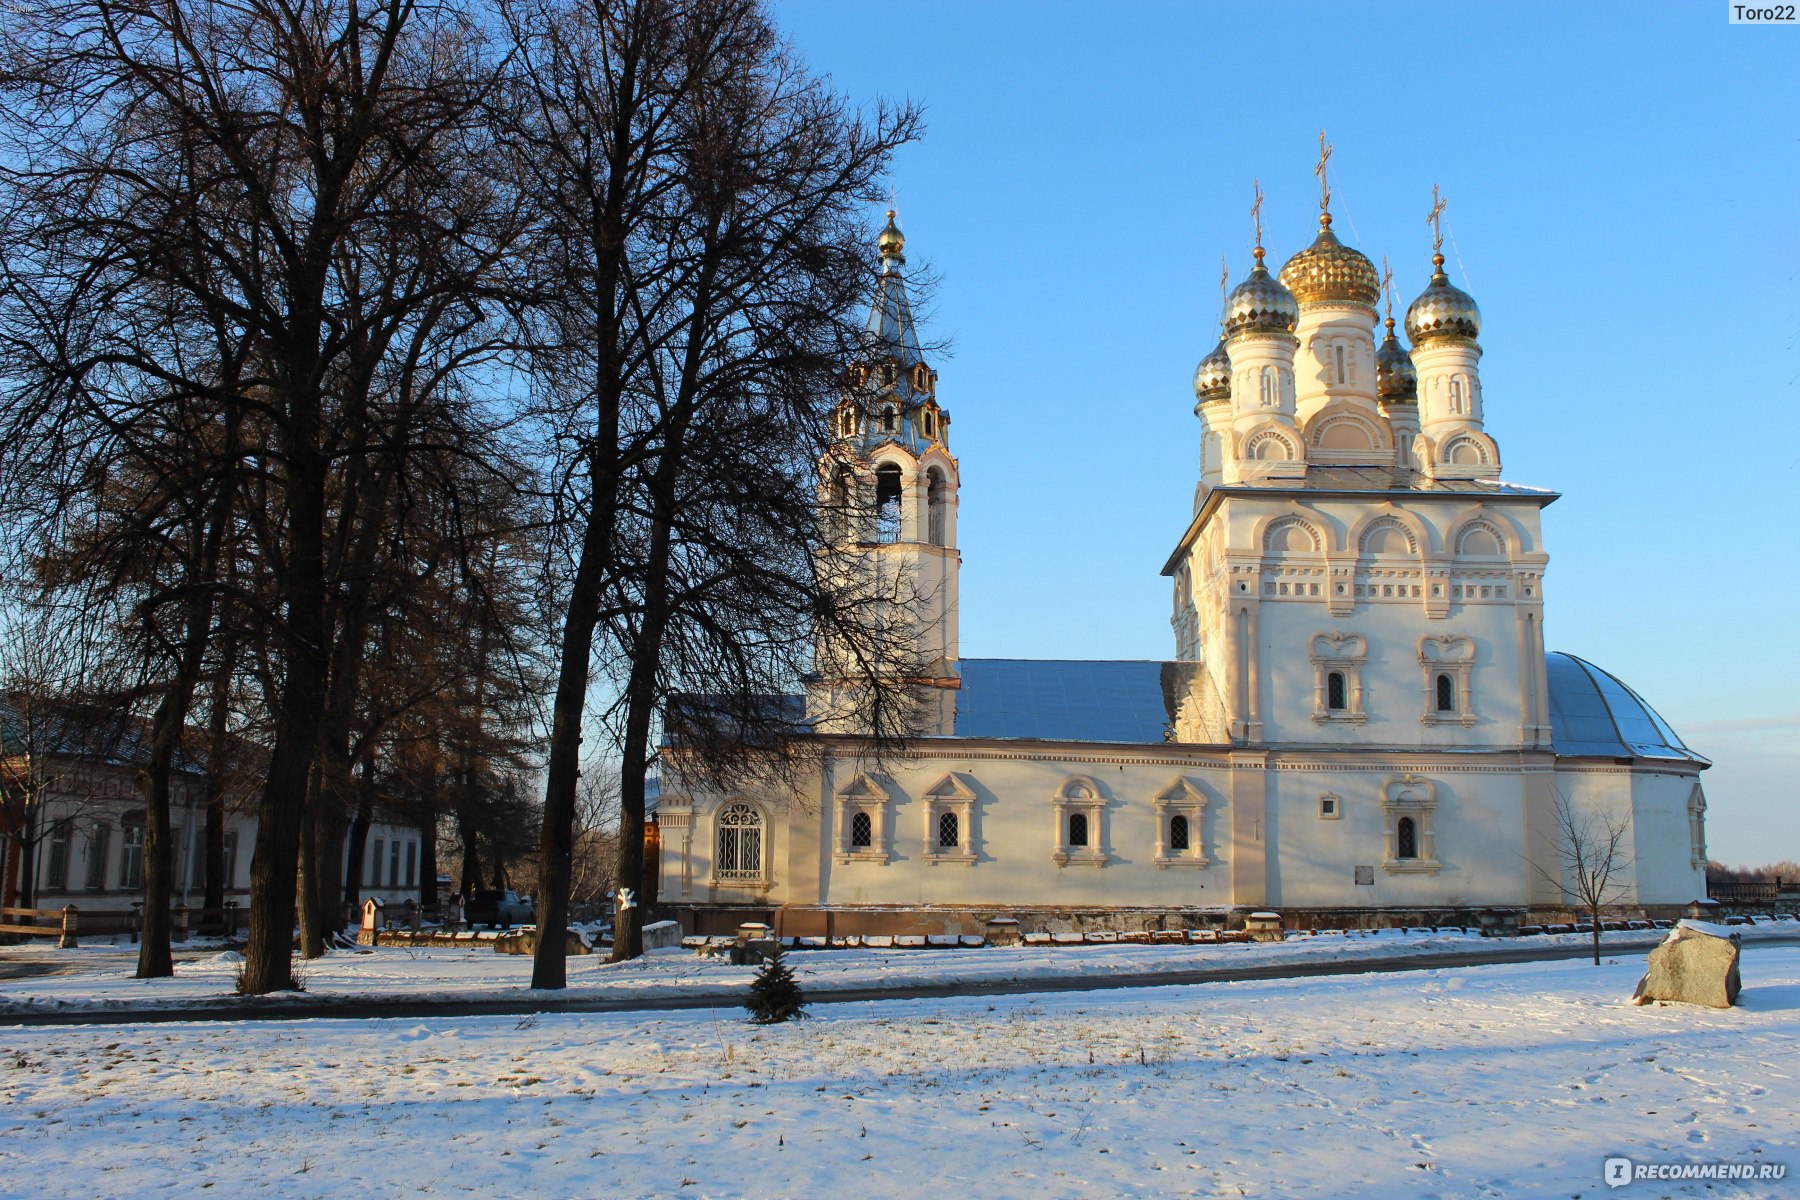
[1387, 286]
[1435, 218]
[1325, 149]
[1224, 284]
[1256, 216]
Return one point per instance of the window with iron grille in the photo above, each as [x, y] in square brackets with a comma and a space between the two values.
[740, 843]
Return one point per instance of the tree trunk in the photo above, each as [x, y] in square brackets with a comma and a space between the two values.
[312, 934]
[549, 966]
[356, 869]
[428, 868]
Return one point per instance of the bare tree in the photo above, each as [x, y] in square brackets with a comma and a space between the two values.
[700, 196]
[1592, 858]
[279, 172]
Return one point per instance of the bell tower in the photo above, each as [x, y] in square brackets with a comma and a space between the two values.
[888, 494]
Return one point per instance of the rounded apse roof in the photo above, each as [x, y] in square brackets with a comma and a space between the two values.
[1594, 715]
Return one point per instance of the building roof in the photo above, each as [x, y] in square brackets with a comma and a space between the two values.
[1066, 700]
[1593, 714]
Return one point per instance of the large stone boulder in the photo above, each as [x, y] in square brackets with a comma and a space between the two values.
[524, 941]
[1697, 963]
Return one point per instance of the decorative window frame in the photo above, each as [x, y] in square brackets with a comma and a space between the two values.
[764, 879]
[864, 795]
[949, 795]
[1331, 806]
[1345, 652]
[1416, 797]
[1445, 654]
[1181, 799]
[1079, 794]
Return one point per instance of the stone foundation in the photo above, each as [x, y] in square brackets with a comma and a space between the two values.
[812, 921]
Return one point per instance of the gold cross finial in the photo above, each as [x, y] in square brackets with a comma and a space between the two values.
[1436, 219]
[1224, 283]
[1387, 285]
[1256, 213]
[1324, 185]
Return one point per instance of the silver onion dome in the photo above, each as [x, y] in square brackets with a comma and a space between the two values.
[1442, 310]
[1396, 381]
[1212, 378]
[1260, 304]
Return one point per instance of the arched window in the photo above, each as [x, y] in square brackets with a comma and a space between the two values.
[889, 373]
[1343, 373]
[1334, 692]
[934, 504]
[949, 830]
[1406, 838]
[930, 424]
[887, 503]
[1268, 387]
[862, 831]
[1456, 394]
[1446, 694]
[1078, 829]
[1178, 832]
[740, 843]
[890, 419]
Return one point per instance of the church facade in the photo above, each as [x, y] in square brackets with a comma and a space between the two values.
[1360, 723]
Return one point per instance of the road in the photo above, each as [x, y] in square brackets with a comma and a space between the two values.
[409, 1009]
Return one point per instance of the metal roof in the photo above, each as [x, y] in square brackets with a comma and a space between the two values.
[1066, 700]
[889, 330]
[1593, 714]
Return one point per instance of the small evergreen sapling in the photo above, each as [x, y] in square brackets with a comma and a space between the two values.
[775, 995]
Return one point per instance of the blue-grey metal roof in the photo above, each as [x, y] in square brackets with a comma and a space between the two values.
[889, 330]
[1066, 701]
[1592, 714]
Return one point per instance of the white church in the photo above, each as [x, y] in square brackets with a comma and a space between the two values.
[1360, 723]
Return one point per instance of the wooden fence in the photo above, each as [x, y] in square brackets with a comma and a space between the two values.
[66, 924]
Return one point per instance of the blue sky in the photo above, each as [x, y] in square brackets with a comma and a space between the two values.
[1622, 184]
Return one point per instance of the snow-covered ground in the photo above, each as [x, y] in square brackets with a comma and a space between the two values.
[100, 977]
[1497, 1081]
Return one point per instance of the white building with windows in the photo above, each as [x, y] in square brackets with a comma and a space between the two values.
[1360, 723]
[88, 843]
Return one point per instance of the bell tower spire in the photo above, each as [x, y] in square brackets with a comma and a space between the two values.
[888, 493]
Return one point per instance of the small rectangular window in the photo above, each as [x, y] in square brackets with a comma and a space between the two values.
[412, 865]
[394, 864]
[231, 852]
[56, 871]
[375, 863]
[96, 863]
[131, 858]
[1078, 829]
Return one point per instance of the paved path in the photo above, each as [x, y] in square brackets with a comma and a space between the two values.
[411, 1009]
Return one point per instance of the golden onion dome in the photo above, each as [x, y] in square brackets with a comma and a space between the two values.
[890, 241]
[1212, 378]
[1442, 310]
[1396, 380]
[1329, 271]
[1260, 304]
